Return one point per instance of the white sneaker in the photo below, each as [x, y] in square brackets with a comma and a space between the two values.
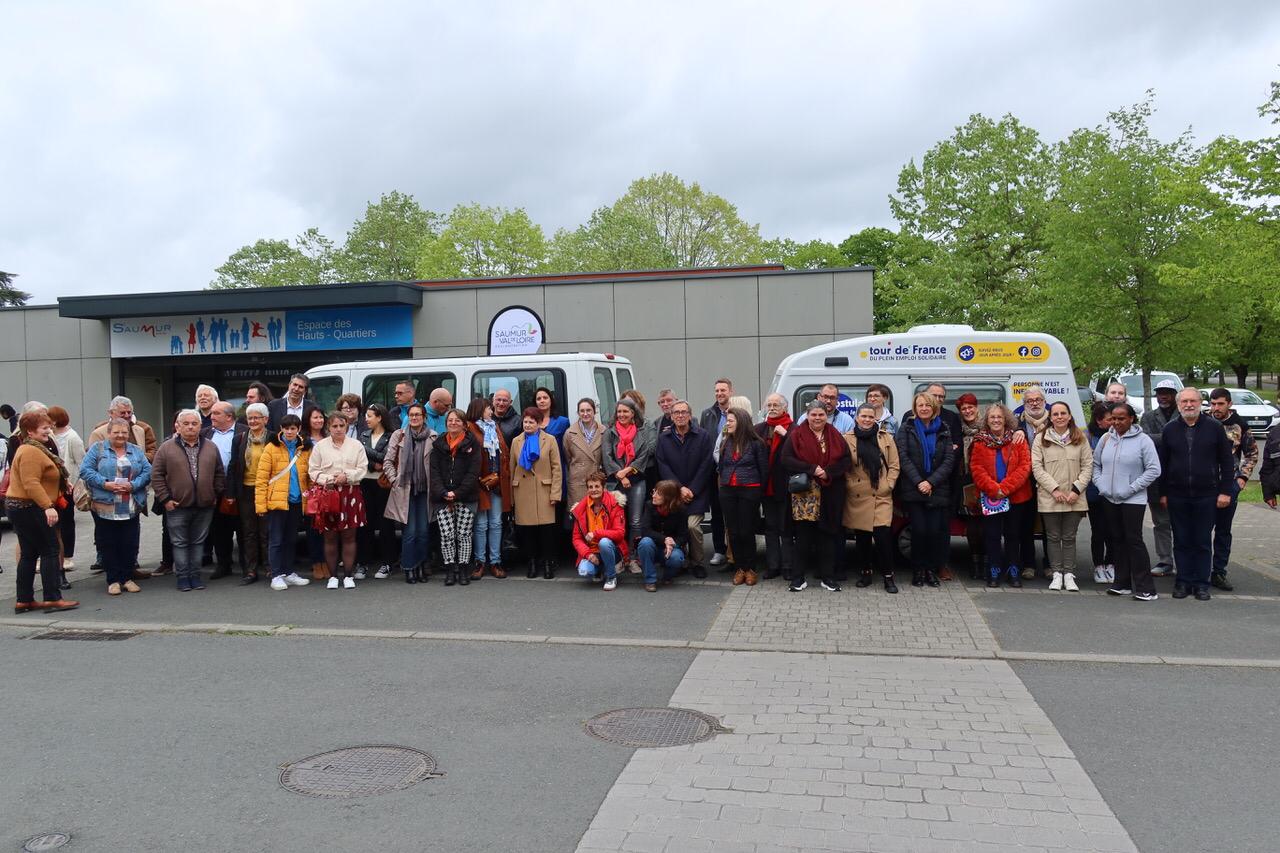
[1100, 574]
[611, 584]
[1111, 573]
[718, 559]
[348, 582]
[292, 579]
[279, 584]
[1069, 583]
[1056, 583]
[68, 564]
[332, 584]
[383, 572]
[361, 573]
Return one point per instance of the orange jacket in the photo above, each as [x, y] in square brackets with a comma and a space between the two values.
[1017, 476]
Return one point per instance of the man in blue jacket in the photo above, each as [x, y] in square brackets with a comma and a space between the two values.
[684, 455]
[1195, 482]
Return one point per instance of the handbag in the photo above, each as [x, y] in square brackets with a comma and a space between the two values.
[991, 506]
[509, 549]
[321, 500]
[807, 505]
[383, 482]
[228, 506]
[798, 484]
[80, 494]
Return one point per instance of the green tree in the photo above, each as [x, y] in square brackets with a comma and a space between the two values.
[384, 245]
[10, 295]
[277, 263]
[874, 247]
[660, 222]
[813, 255]
[484, 241]
[974, 209]
[1127, 213]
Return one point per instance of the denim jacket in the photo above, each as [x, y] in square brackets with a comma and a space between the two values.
[99, 466]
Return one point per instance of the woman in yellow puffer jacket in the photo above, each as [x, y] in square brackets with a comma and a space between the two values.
[281, 481]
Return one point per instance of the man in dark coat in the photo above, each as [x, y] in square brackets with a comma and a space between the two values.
[684, 455]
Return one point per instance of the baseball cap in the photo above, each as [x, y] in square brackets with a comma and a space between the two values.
[1167, 385]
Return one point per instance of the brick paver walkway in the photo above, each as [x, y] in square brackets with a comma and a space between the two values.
[931, 622]
[857, 754]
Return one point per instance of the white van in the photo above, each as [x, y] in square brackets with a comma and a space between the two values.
[571, 376]
[1132, 383]
[993, 366]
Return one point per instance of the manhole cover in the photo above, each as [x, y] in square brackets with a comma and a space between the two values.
[69, 634]
[48, 841]
[654, 727]
[358, 771]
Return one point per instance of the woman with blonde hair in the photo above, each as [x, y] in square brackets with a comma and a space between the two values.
[926, 457]
[1001, 469]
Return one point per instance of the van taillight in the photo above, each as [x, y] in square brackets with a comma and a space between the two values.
[609, 356]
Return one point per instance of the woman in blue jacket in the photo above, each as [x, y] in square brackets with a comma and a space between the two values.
[1125, 463]
[743, 470]
[117, 473]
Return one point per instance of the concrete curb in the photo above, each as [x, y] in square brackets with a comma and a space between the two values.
[628, 642]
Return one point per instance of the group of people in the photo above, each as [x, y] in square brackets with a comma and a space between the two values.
[425, 485]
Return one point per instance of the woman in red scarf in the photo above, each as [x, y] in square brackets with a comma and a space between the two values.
[628, 450]
[1001, 470]
[815, 448]
[775, 501]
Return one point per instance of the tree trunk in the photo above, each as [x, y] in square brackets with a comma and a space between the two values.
[1242, 374]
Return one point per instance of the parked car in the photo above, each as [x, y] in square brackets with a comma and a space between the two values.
[1259, 415]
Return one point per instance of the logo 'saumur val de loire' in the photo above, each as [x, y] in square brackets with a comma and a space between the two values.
[516, 330]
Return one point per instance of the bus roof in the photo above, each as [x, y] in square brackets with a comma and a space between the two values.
[933, 347]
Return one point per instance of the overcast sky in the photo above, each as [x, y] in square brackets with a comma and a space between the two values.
[145, 142]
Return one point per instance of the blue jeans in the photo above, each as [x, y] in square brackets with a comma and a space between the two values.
[488, 536]
[282, 538]
[650, 556]
[415, 543]
[1192, 522]
[608, 560]
[188, 527]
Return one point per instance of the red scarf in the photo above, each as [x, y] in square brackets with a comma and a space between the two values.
[454, 440]
[775, 441]
[626, 441]
[809, 450]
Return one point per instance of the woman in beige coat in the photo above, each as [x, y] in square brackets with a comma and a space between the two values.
[536, 485]
[1062, 463]
[583, 442]
[868, 501]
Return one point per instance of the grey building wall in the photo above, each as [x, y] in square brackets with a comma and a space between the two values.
[55, 360]
[681, 333]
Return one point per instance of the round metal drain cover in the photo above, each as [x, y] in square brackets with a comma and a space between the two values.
[48, 841]
[654, 727]
[358, 771]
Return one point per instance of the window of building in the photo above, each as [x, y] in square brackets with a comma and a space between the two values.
[382, 387]
[523, 384]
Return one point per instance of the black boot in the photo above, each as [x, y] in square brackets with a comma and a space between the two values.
[864, 579]
[890, 585]
[410, 575]
[450, 574]
[464, 574]
[547, 571]
[975, 567]
[917, 578]
[930, 578]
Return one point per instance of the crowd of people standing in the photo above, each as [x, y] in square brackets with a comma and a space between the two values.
[425, 488]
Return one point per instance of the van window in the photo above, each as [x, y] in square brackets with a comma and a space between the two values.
[857, 393]
[606, 395]
[382, 387]
[522, 384]
[325, 391]
[625, 382]
[986, 392]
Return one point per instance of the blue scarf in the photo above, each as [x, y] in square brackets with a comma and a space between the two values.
[1001, 468]
[490, 431]
[530, 451]
[928, 436]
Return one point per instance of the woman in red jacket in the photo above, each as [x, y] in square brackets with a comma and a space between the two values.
[1002, 472]
[599, 533]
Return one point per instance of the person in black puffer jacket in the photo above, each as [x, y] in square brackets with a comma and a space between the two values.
[927, 458]
[455, 488]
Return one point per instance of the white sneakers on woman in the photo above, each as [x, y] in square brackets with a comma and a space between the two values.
[1067, 581]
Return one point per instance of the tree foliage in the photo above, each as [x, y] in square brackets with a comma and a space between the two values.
[478, 242]
[310, 259]
[385, 244]
[9, 294]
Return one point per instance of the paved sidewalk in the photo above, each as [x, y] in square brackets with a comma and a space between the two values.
[857, 754]
[937, 622]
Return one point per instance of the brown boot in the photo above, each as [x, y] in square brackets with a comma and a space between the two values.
[739, 577]
[944, 574]
[478, 572]
[497, 571]
[751, 578]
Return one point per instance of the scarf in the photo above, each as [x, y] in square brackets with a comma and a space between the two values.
[55, 459]
[869, 456]
[809, 449]
[589, 433]
[454, 440]
[626, 449]
[530, 451]
[1060, 439]
[995, 441]
[775, 443]
[413, 469]
[928, 436]
[1038, 424]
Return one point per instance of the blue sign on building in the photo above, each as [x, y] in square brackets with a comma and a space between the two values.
[348, 328]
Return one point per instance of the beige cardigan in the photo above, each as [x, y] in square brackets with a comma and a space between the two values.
[328, 460]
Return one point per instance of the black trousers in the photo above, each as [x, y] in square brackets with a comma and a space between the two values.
[873, 550]
[538, 541]
[38, 541]
[930, 536]
[223, 531]
[1003, 534]
[717, 520]
[67, 529]
[813, 548]
[1133, 564]
[741, 508]
[1099, 544]
[1028, 531]
[375, 542]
